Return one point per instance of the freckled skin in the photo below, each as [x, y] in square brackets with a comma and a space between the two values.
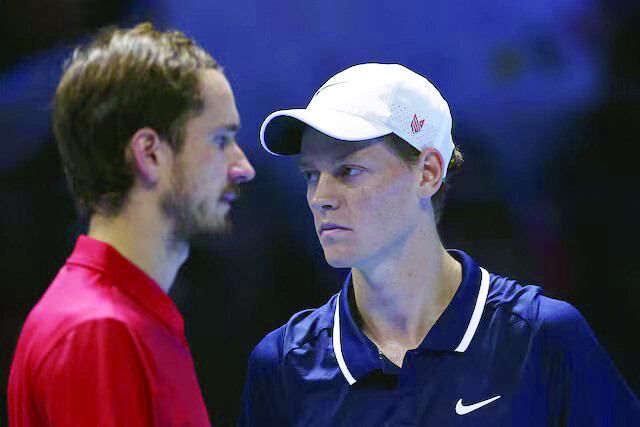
[378, 202]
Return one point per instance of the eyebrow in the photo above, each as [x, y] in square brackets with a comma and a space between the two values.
[303, 164]
[224, 130]
[231, 127]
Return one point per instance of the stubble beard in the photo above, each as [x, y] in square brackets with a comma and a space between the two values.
[190, 217]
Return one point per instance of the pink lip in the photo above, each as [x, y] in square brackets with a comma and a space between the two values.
[229, 197]
[334, 232]
[330, 229]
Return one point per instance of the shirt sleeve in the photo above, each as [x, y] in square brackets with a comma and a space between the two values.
[263, 396]
[586, 387]
[95, 376]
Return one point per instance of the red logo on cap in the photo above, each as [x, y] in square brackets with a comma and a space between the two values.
[416, 125]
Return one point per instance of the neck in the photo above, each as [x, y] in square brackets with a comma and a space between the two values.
[143, 236]
[401, 297]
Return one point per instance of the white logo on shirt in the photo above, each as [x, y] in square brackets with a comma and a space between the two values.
[463, 410]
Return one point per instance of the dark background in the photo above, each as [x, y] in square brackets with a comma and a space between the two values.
[545, 96]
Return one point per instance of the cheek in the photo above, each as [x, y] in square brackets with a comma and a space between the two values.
[211, 168]
[204, 181]
[384, 205]
[314, 212]
[375, 213]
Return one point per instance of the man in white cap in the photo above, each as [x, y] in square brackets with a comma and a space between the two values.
[418, 335]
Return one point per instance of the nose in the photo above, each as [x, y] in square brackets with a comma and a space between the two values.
[323, 196]
[241, 169]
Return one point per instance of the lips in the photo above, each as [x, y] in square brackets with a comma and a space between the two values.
[229, 196]
[331, 228]
[230, 193]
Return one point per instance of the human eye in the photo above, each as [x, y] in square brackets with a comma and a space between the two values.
[310, 176]
[350, 171]
[223, 140]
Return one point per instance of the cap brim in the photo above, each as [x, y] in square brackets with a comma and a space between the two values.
[281, 132]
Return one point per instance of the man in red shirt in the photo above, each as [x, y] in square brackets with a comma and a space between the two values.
[145, 123]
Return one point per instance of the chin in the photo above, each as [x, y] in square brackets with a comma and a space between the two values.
[220, 225]
[207, 226]
[338, 260]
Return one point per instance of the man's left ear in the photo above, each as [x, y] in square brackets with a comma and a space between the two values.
[430, 168]
[148, 154]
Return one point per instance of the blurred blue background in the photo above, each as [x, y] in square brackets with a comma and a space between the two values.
[545, 96]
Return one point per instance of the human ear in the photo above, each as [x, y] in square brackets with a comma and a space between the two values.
[147, 152]
[430, 169]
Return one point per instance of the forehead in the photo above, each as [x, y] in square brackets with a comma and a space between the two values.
[219, 103]
[318, 147]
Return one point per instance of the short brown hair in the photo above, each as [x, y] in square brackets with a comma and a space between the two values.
[125, 80]
[410, 155]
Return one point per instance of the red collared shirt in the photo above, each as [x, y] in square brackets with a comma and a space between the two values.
[104, 346]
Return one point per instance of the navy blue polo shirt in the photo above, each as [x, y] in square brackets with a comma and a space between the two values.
[501, 354]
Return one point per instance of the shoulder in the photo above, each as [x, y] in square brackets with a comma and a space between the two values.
[89, 338]
[96, 332]
[562, 350]
[78, 295]
[80, 321]
[554, 321]
[562, 329]
[302, 327]
[81, 348]
[512, 298]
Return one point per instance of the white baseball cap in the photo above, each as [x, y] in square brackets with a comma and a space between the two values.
[363, 102]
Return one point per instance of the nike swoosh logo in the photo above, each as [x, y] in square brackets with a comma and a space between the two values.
[463, 410]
